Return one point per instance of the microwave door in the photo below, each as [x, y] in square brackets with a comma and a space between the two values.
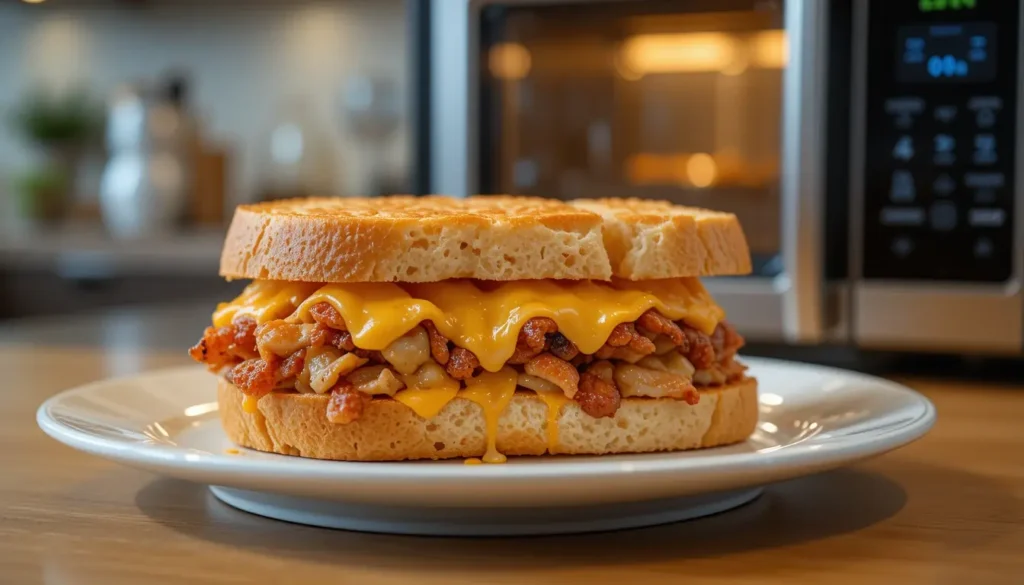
[712, 103]
[789, 305]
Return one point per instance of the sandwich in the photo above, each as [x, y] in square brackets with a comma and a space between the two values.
[401, 328]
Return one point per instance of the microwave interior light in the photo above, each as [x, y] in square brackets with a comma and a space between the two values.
[509, 61]
[647, 54]
[701, 170]
[769, 49]
[679, 53]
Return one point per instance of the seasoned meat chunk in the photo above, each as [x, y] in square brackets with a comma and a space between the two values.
[255, 377]
[557, 371]
[598, 396]
[346, 404]
[438, 344]
[214, 348]
[326, 315]
[532, 339]
[291, 366]
[341, 340]
[244, 340]
[560, 346]
[625, 335]
[655, 322]
[697, 348]
[462, 364]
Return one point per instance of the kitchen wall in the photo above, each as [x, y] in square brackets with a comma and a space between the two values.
[245, 62]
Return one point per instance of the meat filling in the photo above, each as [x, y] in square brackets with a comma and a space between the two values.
[653, 357]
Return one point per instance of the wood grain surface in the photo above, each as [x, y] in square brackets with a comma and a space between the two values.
[948, 509]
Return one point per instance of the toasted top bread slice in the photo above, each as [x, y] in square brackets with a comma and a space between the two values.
[647, 239]
[414, 239]
[427, 239]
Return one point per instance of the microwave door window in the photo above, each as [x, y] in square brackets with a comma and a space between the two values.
[622, 102]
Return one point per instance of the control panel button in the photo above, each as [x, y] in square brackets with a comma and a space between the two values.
[945, 114]
[979, 49]
[943, 216]
[903, 110]
[989, 217]
[945, 145]
[985, 102]
[904, 148]
[983, 248]
[902, 246]
[985, 149]
[902, 189]
[984, 186]
[943, 185]
[984, 180]
[985, 108]
[913, 50]
[902, 216]
[985, 119]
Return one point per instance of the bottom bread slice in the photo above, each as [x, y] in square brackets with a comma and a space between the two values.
[296, 424]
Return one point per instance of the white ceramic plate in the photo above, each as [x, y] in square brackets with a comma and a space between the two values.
[812, 418]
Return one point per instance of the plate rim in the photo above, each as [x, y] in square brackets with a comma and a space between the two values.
[835, 451]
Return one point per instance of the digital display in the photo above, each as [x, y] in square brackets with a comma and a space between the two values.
[961, 52]
[943, 5]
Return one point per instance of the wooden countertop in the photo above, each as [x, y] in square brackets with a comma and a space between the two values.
[948, 509]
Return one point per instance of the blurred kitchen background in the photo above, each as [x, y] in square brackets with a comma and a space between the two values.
[130, 130]
[875, 184]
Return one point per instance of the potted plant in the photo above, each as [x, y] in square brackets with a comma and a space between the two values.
[60, 126]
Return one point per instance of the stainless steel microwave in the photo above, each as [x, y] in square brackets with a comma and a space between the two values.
[868, 146]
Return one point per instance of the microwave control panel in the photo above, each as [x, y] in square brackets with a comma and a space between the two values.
[940, 139]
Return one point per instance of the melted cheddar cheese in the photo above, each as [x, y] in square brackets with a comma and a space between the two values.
[264, 301]
[492, 391]
[249, 404]
[483, 317]
[554, 400]
[426, 402]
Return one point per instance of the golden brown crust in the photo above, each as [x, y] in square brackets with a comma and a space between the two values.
[413, 239]
[296, 424]
[426, 239]
[648, 239]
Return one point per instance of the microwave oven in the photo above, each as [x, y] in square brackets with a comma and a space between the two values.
[869, 147]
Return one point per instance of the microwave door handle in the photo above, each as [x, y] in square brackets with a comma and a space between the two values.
[802, 180]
